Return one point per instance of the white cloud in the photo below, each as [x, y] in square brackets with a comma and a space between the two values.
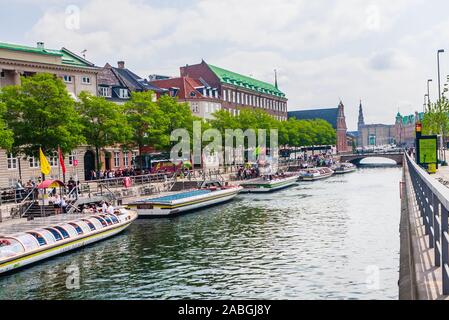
[324, 50]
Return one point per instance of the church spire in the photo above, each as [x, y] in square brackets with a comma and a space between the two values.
[361, 117]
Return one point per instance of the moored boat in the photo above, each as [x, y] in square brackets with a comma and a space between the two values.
[316, 174]
[57, 235]
[264, 185]
[210, 193]
[345, 168]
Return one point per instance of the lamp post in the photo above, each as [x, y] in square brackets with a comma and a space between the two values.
[439, 80]
[428, 92]
[425, 102]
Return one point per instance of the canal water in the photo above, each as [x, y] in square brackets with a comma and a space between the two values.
[332, 239]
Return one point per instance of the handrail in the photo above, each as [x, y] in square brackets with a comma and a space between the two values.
[432, 198]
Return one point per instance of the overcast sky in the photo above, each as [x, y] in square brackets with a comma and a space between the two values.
[380, 51]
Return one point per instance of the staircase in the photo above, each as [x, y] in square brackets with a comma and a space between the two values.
[36, 211]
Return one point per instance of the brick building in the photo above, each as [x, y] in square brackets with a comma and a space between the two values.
[201, 97]
[336, 117]
[237, 91]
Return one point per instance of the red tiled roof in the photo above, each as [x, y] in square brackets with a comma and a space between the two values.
[186, 86]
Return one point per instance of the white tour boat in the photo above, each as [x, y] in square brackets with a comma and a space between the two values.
[316, 174]
[48, 237]
[264, 185]
[207, 195]
[344, 168]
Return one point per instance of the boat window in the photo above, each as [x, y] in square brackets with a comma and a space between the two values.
[28, 241]
[10, 248]
[103, 223]
[108, 220]
[77, 228]
[84, 226]
[55, 233]
[64, 233]
[114, 219]
[39, 238]
[70, 230]
[96, 223]
[48, 236]
[90, 224]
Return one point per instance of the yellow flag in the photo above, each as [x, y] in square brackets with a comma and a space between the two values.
[45, 166]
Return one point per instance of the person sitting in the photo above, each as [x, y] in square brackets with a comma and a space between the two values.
[111, 209]
[57, 204]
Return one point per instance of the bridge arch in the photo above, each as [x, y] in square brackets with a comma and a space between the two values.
[357, 158]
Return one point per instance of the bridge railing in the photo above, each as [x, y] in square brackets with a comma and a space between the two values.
[433, 202]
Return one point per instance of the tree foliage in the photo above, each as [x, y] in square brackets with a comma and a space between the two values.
[6, 135]
[104, 121]
[436, 119]
[41, 113]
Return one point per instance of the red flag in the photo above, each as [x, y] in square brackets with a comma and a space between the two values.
[61, 160]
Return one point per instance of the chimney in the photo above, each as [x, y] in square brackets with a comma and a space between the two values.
[40, 45]
[121, 64]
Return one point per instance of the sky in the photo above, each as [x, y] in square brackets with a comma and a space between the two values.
[379, 51]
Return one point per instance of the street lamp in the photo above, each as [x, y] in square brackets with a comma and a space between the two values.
[428, 91]
[439, 80]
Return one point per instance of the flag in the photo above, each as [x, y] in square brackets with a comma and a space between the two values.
[61, 161]
[45, 166]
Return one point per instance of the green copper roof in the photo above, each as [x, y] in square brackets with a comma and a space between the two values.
[411, 118]
[67, 57]
[242, 81]
[17, 47]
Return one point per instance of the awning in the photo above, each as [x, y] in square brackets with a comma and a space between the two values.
[50, 184]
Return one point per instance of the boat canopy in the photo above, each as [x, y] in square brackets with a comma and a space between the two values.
[47, 184]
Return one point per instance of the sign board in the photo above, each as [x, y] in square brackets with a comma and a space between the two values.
[427, 150]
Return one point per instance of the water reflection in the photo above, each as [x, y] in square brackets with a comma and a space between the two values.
[319, 240]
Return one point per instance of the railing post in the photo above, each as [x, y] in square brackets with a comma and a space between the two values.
[436, 229]
[445, 249]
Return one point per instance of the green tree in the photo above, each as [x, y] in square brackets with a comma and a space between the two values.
[41, 113]
[104, 121]
[145, 119]
[174, 116]
[6, 135]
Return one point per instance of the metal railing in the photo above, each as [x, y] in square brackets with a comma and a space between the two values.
[433, 202]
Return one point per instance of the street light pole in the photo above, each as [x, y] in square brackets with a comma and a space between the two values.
[425, 102]
[439, 80]
[428, 92]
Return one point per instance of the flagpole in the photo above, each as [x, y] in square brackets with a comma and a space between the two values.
[59, 163]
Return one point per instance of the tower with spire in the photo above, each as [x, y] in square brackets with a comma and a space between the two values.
[276, 78]
[361, 122]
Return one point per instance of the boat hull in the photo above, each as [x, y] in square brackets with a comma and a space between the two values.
[264, 188]
[184, 208]
[70, 245]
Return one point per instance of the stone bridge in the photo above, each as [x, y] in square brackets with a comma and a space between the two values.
[356, 158]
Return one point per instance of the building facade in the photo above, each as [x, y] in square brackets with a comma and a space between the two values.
[117, 83]
[372, 135]
[237, 91]
[336, 117]
[405, 129]
[201, 97]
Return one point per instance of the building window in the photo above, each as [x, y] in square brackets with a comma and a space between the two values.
[224, 95]
[34, 163]
[123, 93]
[233, 96]
[12, 162]
[126, 159]
[133, 157]
[104, 92]
[72, 158]
[2, 74]
[116, 159]
[53, 159]
[85, 80]
[68, 79]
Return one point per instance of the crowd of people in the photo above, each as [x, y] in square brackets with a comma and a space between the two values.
[111, 174]
[248, 173]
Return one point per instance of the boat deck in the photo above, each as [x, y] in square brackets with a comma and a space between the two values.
[21, 225]
[178, 196]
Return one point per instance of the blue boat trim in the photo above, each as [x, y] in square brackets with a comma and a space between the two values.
[174, 197]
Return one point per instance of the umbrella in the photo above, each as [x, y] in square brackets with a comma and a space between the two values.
[47, 184]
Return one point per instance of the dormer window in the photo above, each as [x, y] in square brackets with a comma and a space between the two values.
[192, 94]
[123, 93]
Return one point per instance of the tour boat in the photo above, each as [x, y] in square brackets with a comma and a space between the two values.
[207, 195]
[316, 174]
[345, 168]
[265, 184]
[57, 235]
